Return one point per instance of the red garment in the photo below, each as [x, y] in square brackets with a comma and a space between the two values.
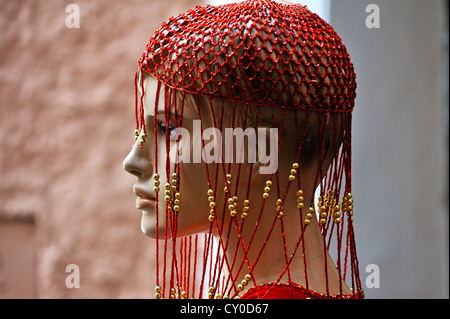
[292, 291]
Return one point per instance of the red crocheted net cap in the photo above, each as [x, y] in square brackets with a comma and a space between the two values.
[257, 51]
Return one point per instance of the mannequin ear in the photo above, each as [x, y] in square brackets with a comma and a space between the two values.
[266, 151]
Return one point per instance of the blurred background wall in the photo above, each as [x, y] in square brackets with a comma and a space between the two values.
[66, 124]
[67, 120]
[400, 142]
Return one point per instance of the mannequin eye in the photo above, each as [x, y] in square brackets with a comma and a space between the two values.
[162, 127]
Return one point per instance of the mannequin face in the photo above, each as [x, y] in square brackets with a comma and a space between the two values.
[193, 214]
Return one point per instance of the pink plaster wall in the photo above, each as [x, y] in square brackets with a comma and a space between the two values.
[66, 123]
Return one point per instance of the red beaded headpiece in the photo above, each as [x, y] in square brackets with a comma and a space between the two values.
[264, 54]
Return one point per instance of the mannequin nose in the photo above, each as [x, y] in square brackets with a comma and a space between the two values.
[138, 162]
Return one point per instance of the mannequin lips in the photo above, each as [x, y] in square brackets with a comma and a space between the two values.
[143, 198]
[142, 202]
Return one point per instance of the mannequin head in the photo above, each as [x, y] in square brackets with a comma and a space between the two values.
[242, 112]
[288, 125]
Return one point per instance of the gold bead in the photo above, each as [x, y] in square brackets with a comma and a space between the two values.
[233, 213]
[210, 192]
[323, 215]
[240, 287]
[144, 136]
[323, 221]
[350, 207]
[225, 189]
[278, 202]
[295, 165]
[218, 297]
[266, 195]
[157, 289]
[269, 183]
[267, 189]
[230, 201]
[246, 202]
[156, 176]
[307, 222]
[156, 183]
[158, 295]
[299, 192]
[308, 216]
[248, 277]
[211, 218]
[231, 207]
[291, 177]
[174, 175]
[244, 215]
[310, 210]
[300, 205]
[337, 214]
[176, 202]
[167, 192]
[137, 132]
[136, 138]
[211, 289]
[167, 186]
[177, 195]
[246, 209]
[300, 199]
[142, 142]
[235, 199]
[183, 295]
[337, 220]
[211, 199]
[280, 214]
[176, 208]
[212, 212]
[228, 176]
[244, 282]
[156, 189]
[293, 171]
[350, 201]
[212, 204]
[210, 295]
[166, 198]
[174, 182]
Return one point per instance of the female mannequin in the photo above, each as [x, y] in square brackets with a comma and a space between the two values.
[216, 70]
